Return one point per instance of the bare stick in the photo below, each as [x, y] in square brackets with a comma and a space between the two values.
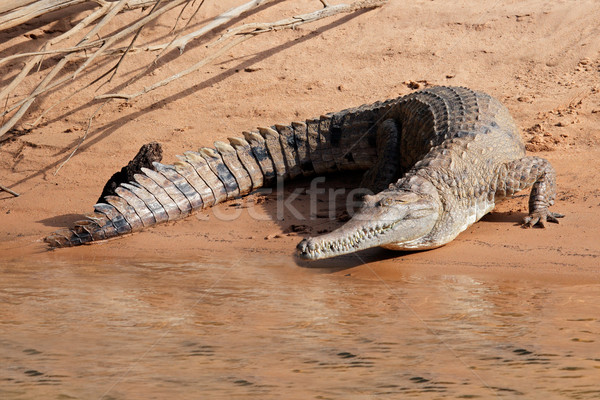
[37, 8]
[247, 31]
[66, 50]
[20, 11]
[132, 28]
[23, 73]
[9, 191]
[26, 102]
[181, 42]
[29, 100]
[45, 85]
[8, 5]
[221, 19]
[87, 129]
[176, 42]
[291, 23]
[218, 21]
[137, 34]
[170, 79]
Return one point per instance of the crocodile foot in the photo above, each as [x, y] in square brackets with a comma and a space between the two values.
[540, 217]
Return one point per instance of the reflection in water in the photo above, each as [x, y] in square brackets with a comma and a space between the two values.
[247, 330]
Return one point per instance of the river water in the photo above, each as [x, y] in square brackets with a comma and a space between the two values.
[255, 329]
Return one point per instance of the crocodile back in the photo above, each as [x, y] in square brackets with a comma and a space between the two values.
[430, 117]
[347, 140]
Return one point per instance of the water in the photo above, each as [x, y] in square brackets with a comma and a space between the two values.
[272, 330]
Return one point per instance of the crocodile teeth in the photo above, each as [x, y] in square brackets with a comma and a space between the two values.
[348, 242]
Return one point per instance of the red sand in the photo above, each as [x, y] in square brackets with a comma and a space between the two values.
[542, 60]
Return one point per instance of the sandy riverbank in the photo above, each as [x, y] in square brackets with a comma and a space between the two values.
[542, 60]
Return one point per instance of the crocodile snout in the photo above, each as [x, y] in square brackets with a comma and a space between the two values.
[305, 248]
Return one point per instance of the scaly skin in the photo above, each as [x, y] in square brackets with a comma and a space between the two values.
[396, 219]
[453, 186]
[438, 160]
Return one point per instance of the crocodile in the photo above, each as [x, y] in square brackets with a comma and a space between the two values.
[436, 161]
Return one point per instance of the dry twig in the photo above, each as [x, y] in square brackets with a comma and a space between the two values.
[87, 129]
[9, 191]
[45, 85]
[36, 60]
[16, 12]
[248, 31]
[89, 50]
[170, 79]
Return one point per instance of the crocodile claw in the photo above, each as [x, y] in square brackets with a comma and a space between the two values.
[539, 218]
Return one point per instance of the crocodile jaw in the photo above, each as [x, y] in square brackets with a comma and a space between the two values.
[394, 220]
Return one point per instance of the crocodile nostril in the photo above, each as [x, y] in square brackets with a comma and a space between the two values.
[302, 246]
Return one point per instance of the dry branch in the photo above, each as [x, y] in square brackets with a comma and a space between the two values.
[8, 5]
[31, 63]
[87, 129]
[222, 19]
[114, 9]
[31, 11]
[179, 42]
[291, 23]
[16, 12]
[24, 104]
[45, 84]
[247, 31]
[9, 191]
[183, 73]
[91, 45]
[129, 30]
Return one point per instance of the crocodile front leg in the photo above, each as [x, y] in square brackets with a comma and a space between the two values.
[387, 167]
[540, 175]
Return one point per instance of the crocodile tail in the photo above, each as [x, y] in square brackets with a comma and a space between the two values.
[200, 179]
[168, 192]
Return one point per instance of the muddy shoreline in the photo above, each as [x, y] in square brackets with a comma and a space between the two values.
[545, 69]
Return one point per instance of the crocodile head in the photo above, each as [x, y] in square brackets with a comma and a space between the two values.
[394, 219]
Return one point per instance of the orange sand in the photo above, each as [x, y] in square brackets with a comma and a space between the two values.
[542, 60]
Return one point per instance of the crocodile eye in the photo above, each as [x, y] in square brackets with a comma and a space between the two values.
[390, 201]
